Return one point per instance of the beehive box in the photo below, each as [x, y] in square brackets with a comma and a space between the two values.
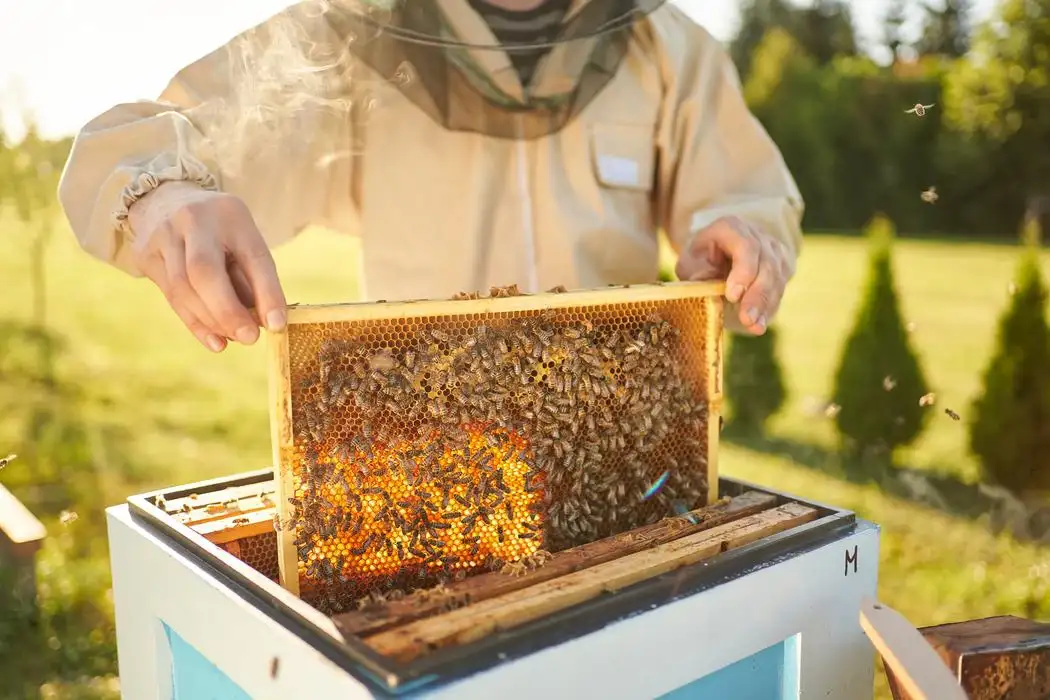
[197, 564]
[424, 442]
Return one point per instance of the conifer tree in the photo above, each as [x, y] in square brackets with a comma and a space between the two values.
[879, 381]
[754, 382]
[1010, 419]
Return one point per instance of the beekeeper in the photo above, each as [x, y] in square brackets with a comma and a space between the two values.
[466, 143]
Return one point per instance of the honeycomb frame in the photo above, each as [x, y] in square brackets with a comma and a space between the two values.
[592, 308]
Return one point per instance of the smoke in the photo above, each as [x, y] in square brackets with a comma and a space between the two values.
[289, 82]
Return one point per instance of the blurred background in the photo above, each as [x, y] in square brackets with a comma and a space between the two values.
[906, 377]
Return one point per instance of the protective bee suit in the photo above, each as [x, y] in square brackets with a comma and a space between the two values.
[411, 125]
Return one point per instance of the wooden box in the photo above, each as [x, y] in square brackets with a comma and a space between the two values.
[996, 658]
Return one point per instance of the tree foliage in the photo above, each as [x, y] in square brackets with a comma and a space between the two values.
[823, 30]
[999, 99]
[879, 380]
[1010, 419]
[946, 29]
[754, 381]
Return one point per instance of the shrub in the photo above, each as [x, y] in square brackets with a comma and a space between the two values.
[754, 383]
[879, 380]
[1010, 419]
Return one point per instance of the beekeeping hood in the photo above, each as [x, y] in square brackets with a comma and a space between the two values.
[456, 64]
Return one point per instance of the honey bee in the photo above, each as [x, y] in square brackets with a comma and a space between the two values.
[928, 399]
[952, 414]
[515, 569]
[275, 667]
[919, 109]
[930, 195]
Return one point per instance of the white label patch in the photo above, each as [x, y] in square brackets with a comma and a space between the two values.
[619, 171]
[699, 221]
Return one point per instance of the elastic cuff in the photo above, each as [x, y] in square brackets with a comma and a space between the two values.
[184, 169]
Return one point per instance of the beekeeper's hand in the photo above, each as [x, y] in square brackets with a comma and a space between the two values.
[755, 265]
[205, 253]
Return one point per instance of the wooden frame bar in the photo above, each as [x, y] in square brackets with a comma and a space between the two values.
[475, 621]
[280, 380]
[391, 614]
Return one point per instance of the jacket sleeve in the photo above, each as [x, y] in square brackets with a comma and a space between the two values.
[716, 158]
[234, 121]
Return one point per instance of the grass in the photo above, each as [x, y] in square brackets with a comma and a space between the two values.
[155, 409]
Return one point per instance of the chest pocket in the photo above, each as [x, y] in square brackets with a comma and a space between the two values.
[623, 159]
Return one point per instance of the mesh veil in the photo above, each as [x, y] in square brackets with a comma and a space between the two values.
[443, 57]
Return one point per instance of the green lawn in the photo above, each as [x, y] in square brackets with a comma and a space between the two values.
[160, 410]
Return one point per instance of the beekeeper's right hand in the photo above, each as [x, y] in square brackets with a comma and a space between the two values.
[205, 253]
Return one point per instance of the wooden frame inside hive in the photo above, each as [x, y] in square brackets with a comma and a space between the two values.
[421, 440]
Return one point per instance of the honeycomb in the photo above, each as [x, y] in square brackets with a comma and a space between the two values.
[258, 552]
[431, 447]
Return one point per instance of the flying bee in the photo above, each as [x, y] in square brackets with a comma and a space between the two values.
[952, 414]
[928, 399]
[930, 195]
[919, 109]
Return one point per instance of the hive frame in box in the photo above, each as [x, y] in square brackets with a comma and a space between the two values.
[280, 380]
[388, 677]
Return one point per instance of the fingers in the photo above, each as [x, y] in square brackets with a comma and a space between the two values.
[156, 269]
[207, 274]
[183, 296]
[253, 258]
[762, 299]
[759, 269]
[736, 240]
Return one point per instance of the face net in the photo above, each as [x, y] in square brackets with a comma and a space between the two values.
[476, 67]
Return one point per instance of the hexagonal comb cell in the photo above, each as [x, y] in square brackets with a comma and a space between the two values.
[418, 441]
[260, 553]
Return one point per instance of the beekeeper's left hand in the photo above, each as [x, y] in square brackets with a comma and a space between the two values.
[755, 265]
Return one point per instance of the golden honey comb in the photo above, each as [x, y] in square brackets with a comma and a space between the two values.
[258, 552]
[430, 439]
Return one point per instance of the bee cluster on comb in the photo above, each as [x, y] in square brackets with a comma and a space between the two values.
[429, 446]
